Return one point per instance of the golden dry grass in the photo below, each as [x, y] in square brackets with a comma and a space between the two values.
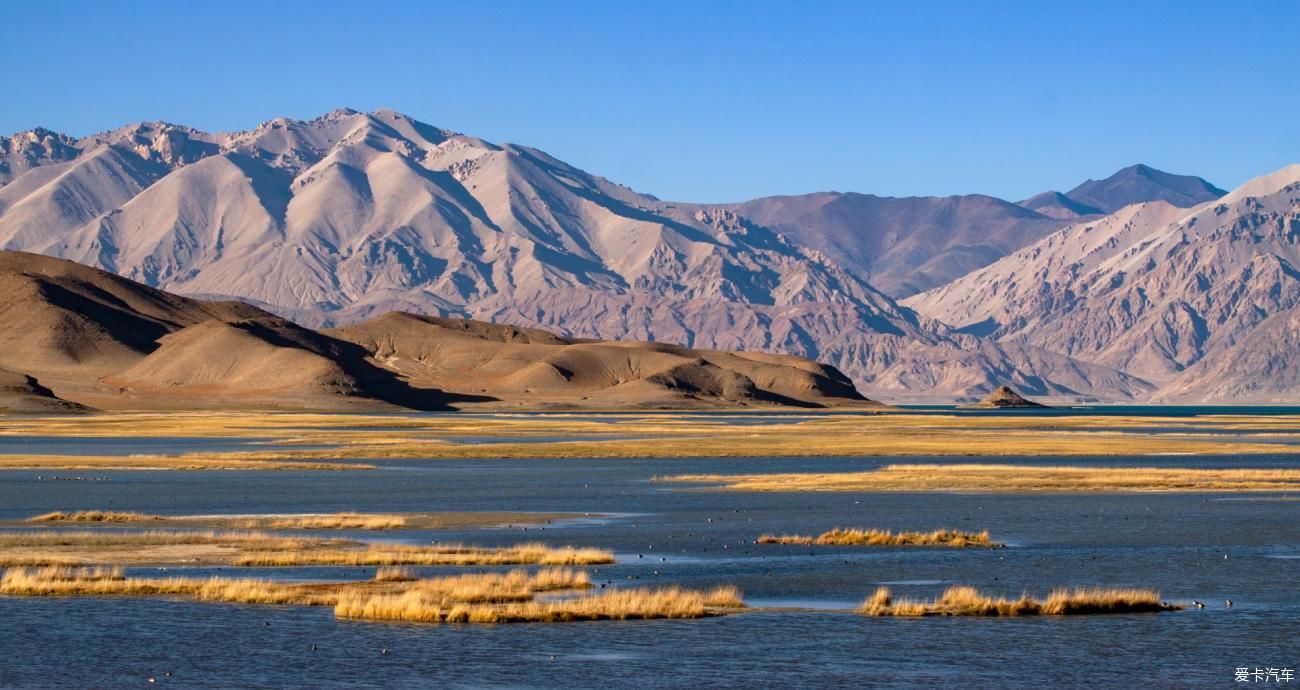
[843, 536]
[335, 521]
[347, 520]
[1014, 478]
[343, 436]
[444, 554]
[93, 516]
[66, 582]
[394, 573]
[474, 597]
[106, 546]
[620, 604]
[188, 462]
[967, 601]
[38, 547]
[155, 537]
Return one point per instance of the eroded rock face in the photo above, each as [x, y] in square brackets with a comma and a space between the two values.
[1172, 295]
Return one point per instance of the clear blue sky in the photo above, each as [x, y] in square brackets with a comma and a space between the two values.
[708, 101]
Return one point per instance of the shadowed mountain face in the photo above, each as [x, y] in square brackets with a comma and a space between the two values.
[1140, 183]
[352, 215]
[903, 245]
[1133, 185]
[71, 335]
[1060, 206]
[1200, 301]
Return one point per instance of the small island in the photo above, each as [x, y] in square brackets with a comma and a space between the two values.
[1004, 399]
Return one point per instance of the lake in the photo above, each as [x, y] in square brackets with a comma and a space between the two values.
[1205, 547]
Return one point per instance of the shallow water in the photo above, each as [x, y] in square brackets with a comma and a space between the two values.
[129, 445]
[665, 533]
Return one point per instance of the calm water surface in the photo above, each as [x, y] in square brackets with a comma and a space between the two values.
[1206, 547]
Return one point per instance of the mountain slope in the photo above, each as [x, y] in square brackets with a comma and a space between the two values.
[71, 335]
[1141, 183]
[1058, 205]
[902, 245]
[532, 367]
[1170, 295]
[352, 215]
[1135, 184]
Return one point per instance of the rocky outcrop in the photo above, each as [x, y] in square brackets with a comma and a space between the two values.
[1005, 399]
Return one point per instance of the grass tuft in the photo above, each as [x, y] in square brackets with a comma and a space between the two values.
[93, 516]
[1015, 478]
[335, 521]
[962, 600]
[843, 536]
[621, 604]
[438, 554]
[394, 573]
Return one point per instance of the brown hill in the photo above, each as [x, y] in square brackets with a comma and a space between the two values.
[71, 335]
[532, 367]
[22, 393]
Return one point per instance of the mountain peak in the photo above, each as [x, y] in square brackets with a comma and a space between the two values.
[1140, 182]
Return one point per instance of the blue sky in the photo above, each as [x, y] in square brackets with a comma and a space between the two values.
[708, 101]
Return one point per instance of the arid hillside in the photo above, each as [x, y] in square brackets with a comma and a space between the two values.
[73, 337]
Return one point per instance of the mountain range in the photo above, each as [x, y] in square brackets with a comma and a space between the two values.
[349, 216]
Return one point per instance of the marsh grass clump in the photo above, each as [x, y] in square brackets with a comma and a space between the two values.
[69, 582]
[962, 600]
[61, 573]
[335, 521]
[475, 588]
[394, 573]
[94, 516]
[438, 554]
[624, 604]
[41, 547]
[48, 538]
[842, 536]
[1016, 478]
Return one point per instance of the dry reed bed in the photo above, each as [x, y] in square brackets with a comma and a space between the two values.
[335, 521]
[842, 536]
[158, 537]
[81, 547]
[94, 516]
[187, 462]
[437, 554]
[472, 598]
[294, 426]
[512, 586]
[1014, 478]
[394, 573]
[967, 601]
[109, 546]
[683, 435]
[299, 521]
[620, 604]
